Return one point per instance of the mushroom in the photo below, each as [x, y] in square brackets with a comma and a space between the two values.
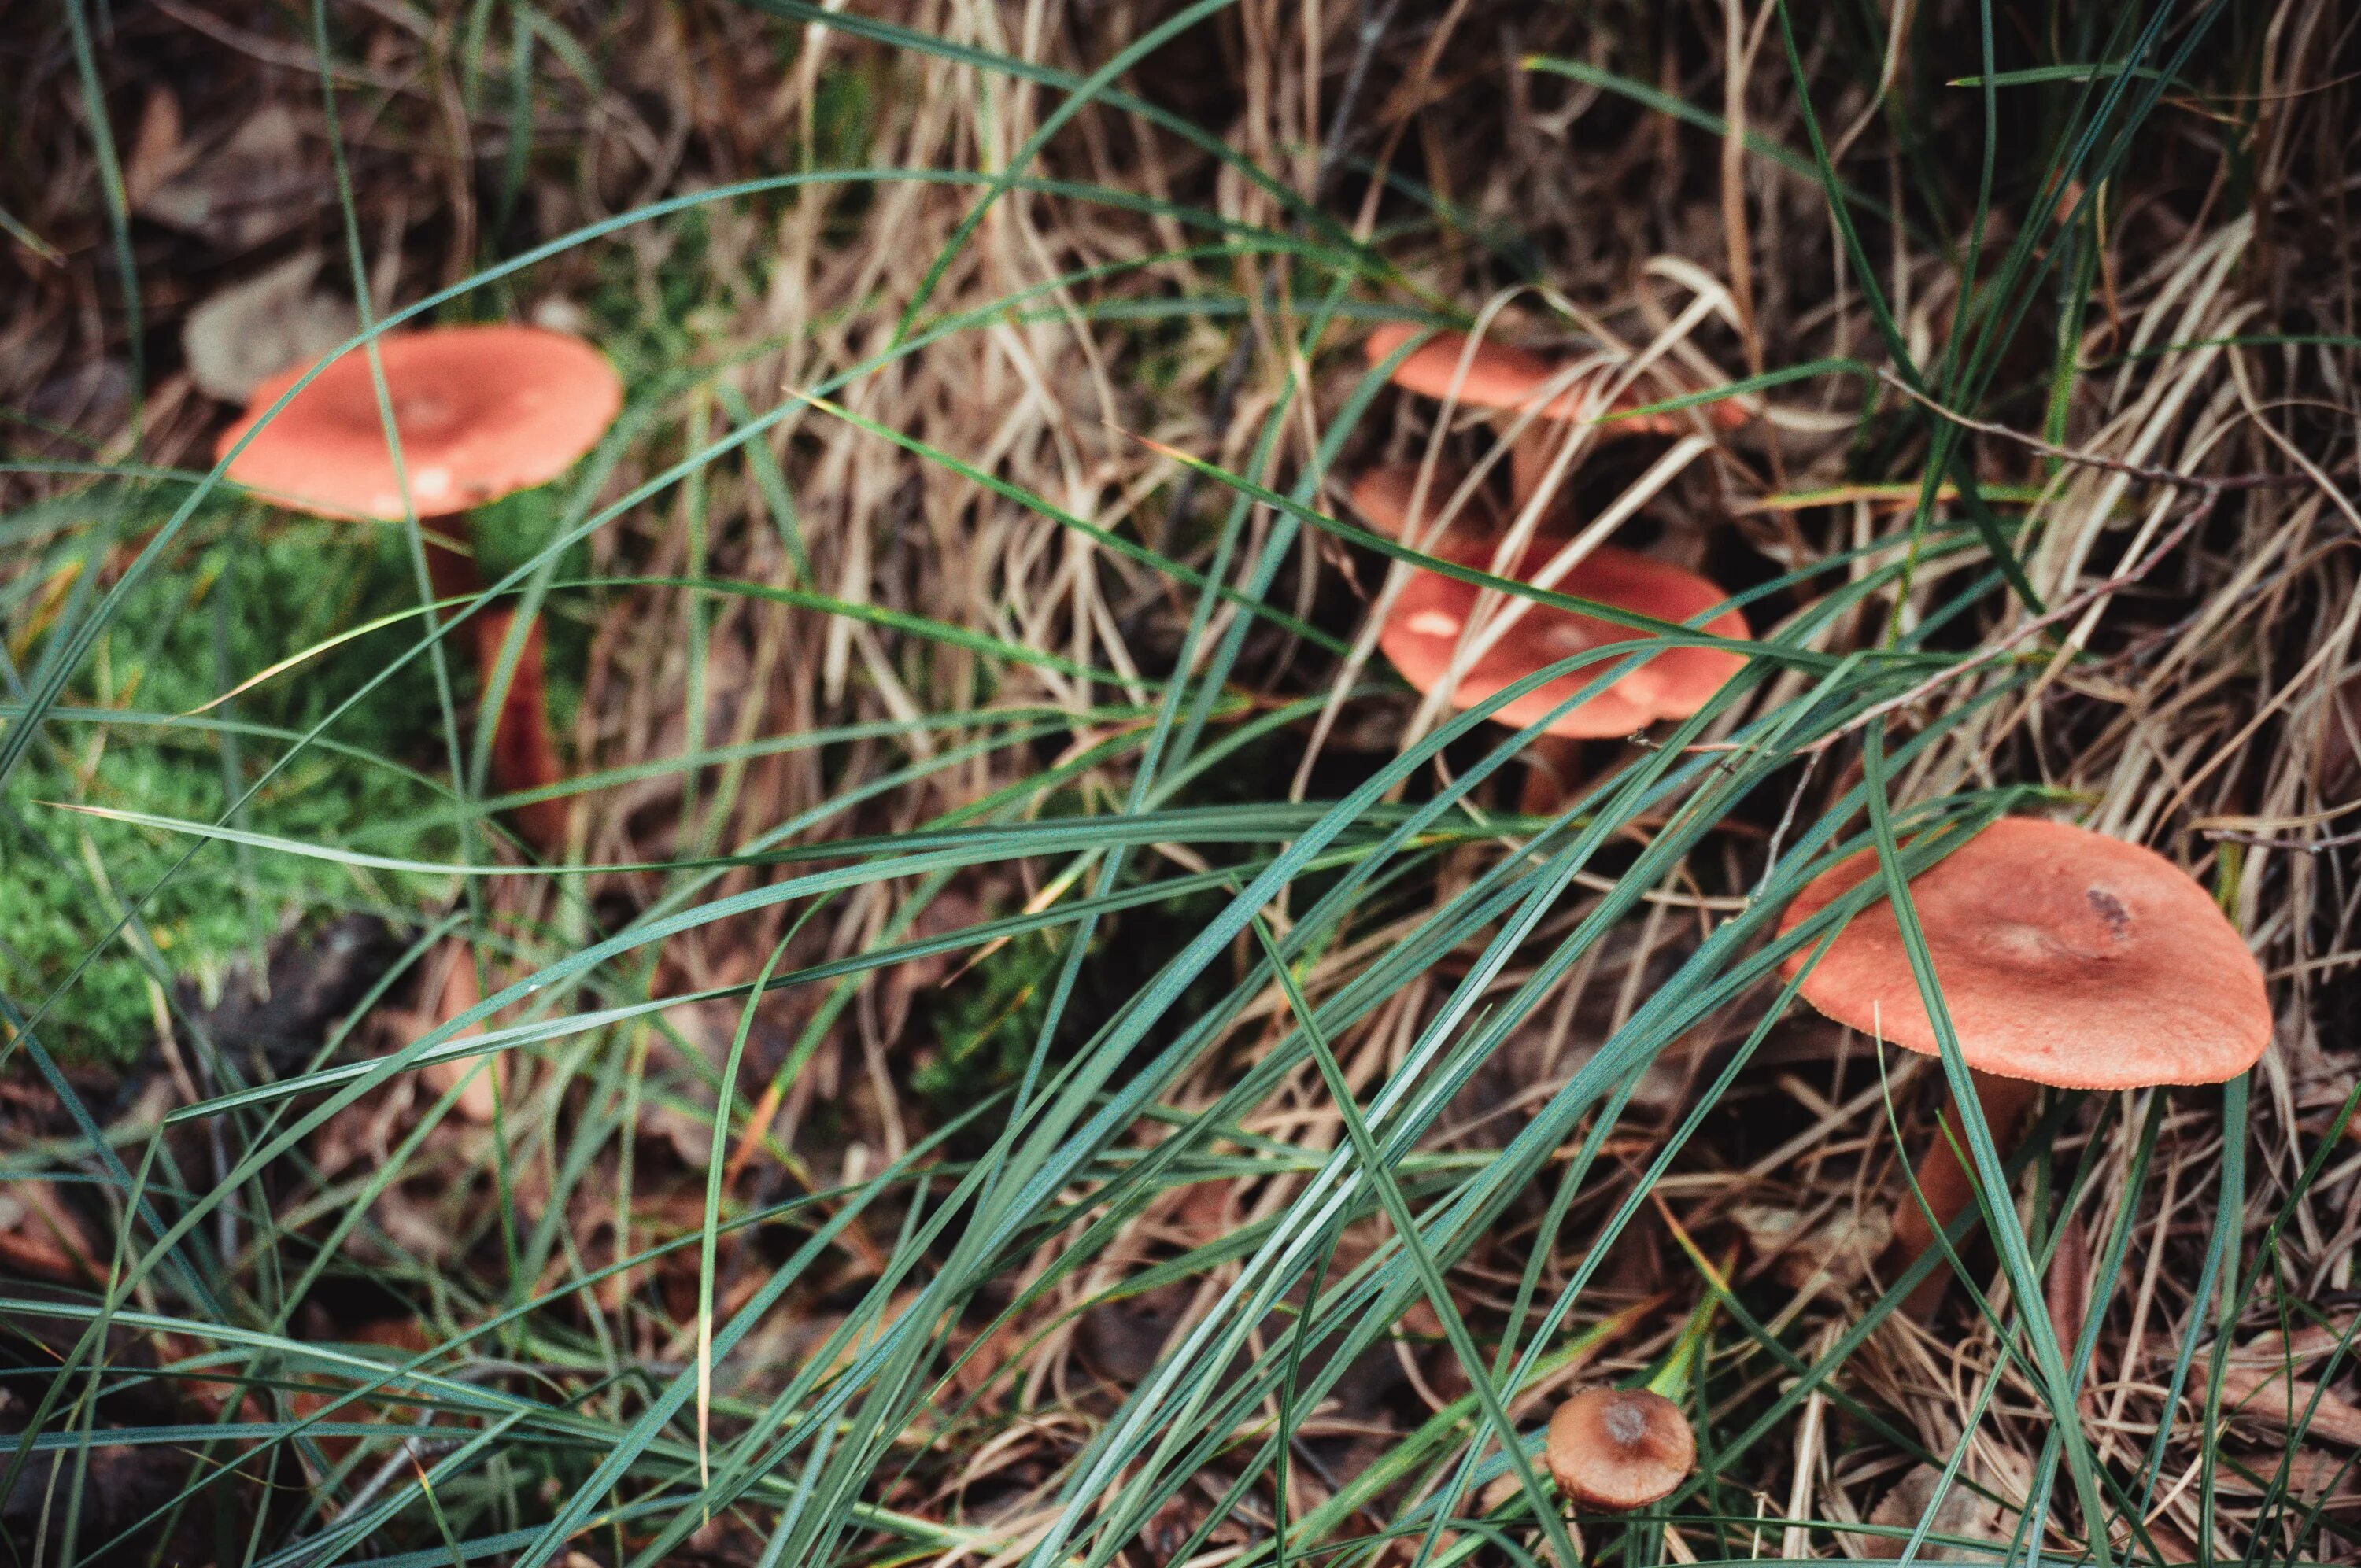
[2066, 958]
[1424, 628]
[1386, 495]
[1618, 1448]
[1503, 379]
[482, 412]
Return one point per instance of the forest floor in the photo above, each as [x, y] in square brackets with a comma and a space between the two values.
[1036, 1044]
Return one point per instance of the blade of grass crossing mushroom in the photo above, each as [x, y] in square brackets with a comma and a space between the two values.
[1406, 1229]
[2032, 1518]
[2220, 1255]
[364, 295]
[2133, 1512]
[2007, 1234]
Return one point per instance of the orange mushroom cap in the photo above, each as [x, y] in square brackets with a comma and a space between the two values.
[483, 412]
[2066, 958]
[1505, 379]
[1422, 631]
[1618, 1448]
[1384, 495]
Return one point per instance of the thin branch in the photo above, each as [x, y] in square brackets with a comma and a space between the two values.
[2212, 484]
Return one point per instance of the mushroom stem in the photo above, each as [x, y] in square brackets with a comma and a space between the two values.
[1552, 768]
[1945, 1185]
[525, 748]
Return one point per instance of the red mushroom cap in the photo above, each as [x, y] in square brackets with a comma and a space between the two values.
[2066, 958]
[1384, 495]
[1507, 380]
[1422, 633]
[483, 412]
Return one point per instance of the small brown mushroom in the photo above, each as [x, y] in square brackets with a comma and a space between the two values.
[482, 412]
[1618, 1448]
[2065, 957]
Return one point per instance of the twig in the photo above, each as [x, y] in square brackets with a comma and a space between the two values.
[2196, 509]
[2209, 483]
[2265, 841]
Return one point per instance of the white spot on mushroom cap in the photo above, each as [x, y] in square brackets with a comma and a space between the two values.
[1434, 623]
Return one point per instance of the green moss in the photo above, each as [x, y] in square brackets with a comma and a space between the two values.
[258, 590]
[987, 1023]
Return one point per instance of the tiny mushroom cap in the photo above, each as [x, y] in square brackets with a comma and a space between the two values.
[2065, 958]
[1618, 1448]
[1422, 631]
[482, 412]
[1505, 379]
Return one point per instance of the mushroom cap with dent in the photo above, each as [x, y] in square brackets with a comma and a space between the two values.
[1423, 630]
[1618, 1448]
[2065, 958]
[1503, 378]
[483, 412]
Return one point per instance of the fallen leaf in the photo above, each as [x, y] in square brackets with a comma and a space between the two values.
[1839, 1248]
[2311, 1478]
[1964, 1514]
[275, 320]
[2268, 1397]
